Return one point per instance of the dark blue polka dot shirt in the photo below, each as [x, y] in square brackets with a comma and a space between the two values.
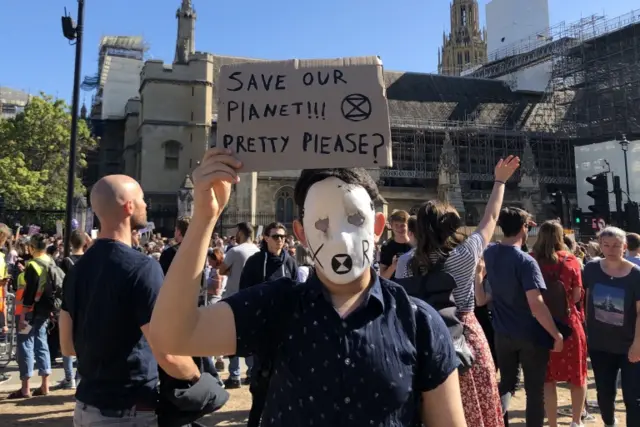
[367, 369]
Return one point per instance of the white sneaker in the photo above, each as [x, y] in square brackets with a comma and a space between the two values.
[576, 424]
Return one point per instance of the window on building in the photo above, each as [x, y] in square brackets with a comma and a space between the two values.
[463, 16]
[467, 57]
[172, 154]
[285, 208]
[459, 58]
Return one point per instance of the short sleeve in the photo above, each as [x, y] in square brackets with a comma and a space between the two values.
[147, 282]
[437, 358]
[256, 311]
[230, 258]
[68, 293]
[531, 276]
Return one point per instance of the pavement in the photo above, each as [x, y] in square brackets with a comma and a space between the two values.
[13, 384]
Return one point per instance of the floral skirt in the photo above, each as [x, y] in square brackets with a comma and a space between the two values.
[479, 385]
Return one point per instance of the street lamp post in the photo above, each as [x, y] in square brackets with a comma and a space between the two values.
[624, 144]
[76, 34]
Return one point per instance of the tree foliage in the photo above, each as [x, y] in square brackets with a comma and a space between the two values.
[34, 155]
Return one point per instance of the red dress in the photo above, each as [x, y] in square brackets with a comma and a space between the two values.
[570, 365]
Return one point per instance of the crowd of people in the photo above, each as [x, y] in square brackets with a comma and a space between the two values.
[336, 326]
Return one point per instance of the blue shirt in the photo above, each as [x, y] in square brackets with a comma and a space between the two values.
[110, 294]
[511, 272]
[366, 369]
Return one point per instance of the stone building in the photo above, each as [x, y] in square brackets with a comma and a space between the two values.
[448, 133]
[466, 46]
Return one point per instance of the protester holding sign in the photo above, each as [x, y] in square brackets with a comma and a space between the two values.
[387, 359]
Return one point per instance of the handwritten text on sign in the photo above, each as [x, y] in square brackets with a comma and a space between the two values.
[304, 114]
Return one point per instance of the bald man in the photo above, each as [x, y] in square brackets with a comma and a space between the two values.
[108, 299]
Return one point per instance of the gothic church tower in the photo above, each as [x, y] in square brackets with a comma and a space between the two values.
[466, 45]
[186, 40]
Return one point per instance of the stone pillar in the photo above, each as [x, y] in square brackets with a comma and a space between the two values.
[530, 183]
[449, 190]
[185, 198]
[253, 196]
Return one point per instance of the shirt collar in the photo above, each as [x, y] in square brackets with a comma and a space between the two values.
[372, 293]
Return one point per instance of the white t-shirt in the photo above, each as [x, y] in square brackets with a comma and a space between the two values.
[235, 258]
[303, 273]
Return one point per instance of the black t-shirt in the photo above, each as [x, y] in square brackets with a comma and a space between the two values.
[110, 294]
[391, 248]
[67, 263]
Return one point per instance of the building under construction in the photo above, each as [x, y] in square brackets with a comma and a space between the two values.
[465, 124]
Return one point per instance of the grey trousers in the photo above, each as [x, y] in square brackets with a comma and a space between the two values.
[89, 416]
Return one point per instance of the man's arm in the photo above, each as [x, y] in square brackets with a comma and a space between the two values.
[65, 327]
[227, 263]
[178, 367]
[437, 370]
[532, 282]
[442, 407]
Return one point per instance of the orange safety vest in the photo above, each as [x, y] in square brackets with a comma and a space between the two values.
[19, 294]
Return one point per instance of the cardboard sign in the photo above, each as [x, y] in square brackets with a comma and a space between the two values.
[304, 114]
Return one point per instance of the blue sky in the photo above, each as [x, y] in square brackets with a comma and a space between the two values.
[34, 56]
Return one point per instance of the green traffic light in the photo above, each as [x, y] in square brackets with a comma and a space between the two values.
[577, 221]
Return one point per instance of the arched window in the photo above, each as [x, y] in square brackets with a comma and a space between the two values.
[172, 154]
[285, 208]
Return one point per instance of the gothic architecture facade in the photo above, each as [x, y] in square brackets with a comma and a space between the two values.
[171, 123]
[466, 45]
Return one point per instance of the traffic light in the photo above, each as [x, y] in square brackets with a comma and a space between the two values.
[600, 196]
[577, 217]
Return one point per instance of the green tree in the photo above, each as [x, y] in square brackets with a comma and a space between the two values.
[34, 155]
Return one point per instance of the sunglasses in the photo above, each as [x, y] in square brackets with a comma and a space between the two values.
[278, 236]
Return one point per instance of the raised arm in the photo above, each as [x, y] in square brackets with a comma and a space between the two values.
[504, 170]
[177, 326]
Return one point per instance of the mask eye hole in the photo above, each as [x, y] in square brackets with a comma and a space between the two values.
[356, 219]
[322, 225]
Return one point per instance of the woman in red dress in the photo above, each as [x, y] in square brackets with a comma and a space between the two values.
[569, 365]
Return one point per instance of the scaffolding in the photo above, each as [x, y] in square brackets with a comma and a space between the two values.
[596, 84]
[593, 94]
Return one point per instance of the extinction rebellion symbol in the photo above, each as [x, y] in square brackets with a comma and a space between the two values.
[356, 107]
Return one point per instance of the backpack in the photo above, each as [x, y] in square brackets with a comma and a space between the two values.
[555, 296]
[51, 280]
[436, 289]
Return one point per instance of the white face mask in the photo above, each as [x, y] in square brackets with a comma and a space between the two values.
[339, 226]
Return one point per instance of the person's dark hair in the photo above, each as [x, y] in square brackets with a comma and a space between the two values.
[246, 229]
[51, 250]
[182, 224]
[412, 224]
[633, 241]
[353, 176]
[511, 220]
[436, 235]
[77, 239]
[273, 226]
[38, 242]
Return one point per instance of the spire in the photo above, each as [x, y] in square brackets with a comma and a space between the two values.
[83, 111]
[186, 40]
